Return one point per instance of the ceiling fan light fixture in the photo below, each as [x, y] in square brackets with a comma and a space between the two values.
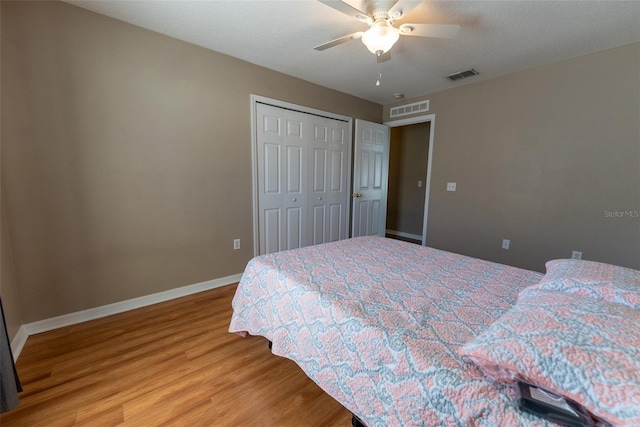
[380, 37]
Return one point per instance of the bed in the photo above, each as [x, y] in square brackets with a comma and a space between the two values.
[379, 324]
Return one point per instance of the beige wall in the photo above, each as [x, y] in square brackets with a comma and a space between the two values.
[538, 157]
[126, 166]
[408, 154]
[8, 287]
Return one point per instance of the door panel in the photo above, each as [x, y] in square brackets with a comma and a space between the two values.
[363, 210]
[330, 181]
[271, 168]
[271, 124]
[281, 179]
[272, 230]
[364, 168]
[375, 228]
[294, 129]
[377, 171]
[294, 170]
[335, 222]
[337, 171]
[319, 170]
[371, 168]
[294, 220]
[318, 224]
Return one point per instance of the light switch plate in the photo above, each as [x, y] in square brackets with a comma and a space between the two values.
[451, 186]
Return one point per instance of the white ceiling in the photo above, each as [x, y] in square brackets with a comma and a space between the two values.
[497, 38]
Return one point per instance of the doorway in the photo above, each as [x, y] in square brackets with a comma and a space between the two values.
[410, 159]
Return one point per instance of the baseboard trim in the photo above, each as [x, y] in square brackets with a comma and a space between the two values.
[120, 307]
[18, 342]
[403, 234]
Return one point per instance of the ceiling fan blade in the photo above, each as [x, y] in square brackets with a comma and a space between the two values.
[402, 8]
[384, 57]
[346, 8]
[429, 30]
[341, 40]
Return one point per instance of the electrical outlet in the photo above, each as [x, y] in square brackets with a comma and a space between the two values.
[506, 243]
[236, 244]
[451, 186]
[576, 255]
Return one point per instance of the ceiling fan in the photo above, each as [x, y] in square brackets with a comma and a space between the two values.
[380, 16]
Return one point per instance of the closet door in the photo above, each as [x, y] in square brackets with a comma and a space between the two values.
[282, 199]
[328, 181]
[303, 180]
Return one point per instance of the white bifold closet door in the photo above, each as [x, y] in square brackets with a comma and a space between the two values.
[302, 174]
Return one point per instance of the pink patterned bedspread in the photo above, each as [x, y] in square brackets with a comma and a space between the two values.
[377, 323]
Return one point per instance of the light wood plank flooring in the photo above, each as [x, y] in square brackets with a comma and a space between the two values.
[170, 364]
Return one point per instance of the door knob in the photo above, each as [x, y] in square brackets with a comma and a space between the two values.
[356, 195]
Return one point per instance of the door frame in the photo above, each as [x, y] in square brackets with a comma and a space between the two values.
[258, 99]
[431, 118]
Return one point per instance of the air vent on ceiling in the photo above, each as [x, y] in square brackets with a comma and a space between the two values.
[403, 110]
[462, 74]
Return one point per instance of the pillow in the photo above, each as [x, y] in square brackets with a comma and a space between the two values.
[592, 279]
[584, 349]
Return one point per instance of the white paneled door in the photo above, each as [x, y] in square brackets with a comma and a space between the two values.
[370, 178]
[302, 177]
[328, 181]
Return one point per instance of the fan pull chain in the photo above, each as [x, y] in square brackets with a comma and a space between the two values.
[378, 81]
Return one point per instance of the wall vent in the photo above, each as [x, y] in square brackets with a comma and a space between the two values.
[403, 110]
[462, 74]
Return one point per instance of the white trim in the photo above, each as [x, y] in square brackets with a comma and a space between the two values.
[411, 121]
[300, 108]
[18, 342]
[403, 234]
[255, 99]
[254, 176]
[119, 307]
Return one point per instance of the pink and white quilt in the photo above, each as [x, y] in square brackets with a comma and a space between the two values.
[377, 323]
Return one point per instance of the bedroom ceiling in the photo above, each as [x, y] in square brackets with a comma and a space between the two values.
[497, 38]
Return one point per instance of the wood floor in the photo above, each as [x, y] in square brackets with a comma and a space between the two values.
[170, 364]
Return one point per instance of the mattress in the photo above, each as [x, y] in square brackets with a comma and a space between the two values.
[377, 323]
